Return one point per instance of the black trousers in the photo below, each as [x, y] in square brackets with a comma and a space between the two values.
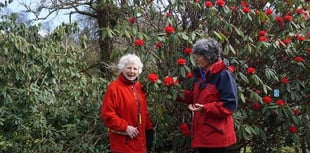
[211, 150]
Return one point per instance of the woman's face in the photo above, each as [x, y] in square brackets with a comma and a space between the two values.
[202, 61]
[130, 71]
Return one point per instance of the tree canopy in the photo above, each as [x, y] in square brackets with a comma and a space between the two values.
[50, 99]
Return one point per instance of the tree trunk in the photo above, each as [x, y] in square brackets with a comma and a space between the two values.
[107, 16]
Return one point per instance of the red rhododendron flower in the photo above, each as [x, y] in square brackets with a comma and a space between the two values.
[288, 18]
[168, 14]
[189, 75]
[301, 38]
[169, 29]
[139, 42]
[308, 49]
[159, 44]
[168, 81]
[299, 11]
[185, 129]
[293, 129]
[280, 102]
[284, 80]
[279, 19]
[181, 61]
[188, 51]
[132, 20]
[286, 41]
[243, 3]
[262, 33]
[267, 99]
[299, 59]
[208, 4]
[251, 70]
[246, 10]
[296, 111]
[220, 3]
[262, 38]
[268, 11]
[256, 106]
[153, 77]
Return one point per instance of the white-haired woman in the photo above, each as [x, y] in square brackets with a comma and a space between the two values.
[124, 109]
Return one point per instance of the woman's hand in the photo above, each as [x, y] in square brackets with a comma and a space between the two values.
[132, 131]
[195, 107]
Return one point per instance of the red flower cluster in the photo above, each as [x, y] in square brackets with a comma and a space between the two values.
[280, 102]
[299, 11]
[293, 129]
[286, 41]
[169, 29]
[181, 61]
[158, 44]
[300, 38]
[153, 77]
[251, 70]
[284, 80]
[189, 75]
[139, 42]
[208, 4]
[262, 33]
[299, 59]
[132, 20]
[246, 9]
[308, 49]
[256, 106]
[168, 81]
[220, 3]
[267, 99]
[262, 38]
[185, 129]
[244, 4]
[188, 51]
[279, 19]
[268, 11]
[288, 18]
[296, 111]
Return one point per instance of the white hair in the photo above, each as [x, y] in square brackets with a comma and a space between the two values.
[130, 59]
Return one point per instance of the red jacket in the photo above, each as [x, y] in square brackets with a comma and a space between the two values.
[120, 108]
[213, 127]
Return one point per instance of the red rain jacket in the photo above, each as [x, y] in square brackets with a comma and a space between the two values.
[213, 127]
[120, 108]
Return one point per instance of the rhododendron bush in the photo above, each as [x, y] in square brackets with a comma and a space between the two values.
[267, 46]
[50, 104]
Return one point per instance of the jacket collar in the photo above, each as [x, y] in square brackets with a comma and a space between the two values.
[217, 67]
[125, 80]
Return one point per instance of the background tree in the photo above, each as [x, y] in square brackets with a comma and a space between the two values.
[266, 43]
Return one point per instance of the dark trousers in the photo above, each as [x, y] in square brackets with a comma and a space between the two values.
[211, 150]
